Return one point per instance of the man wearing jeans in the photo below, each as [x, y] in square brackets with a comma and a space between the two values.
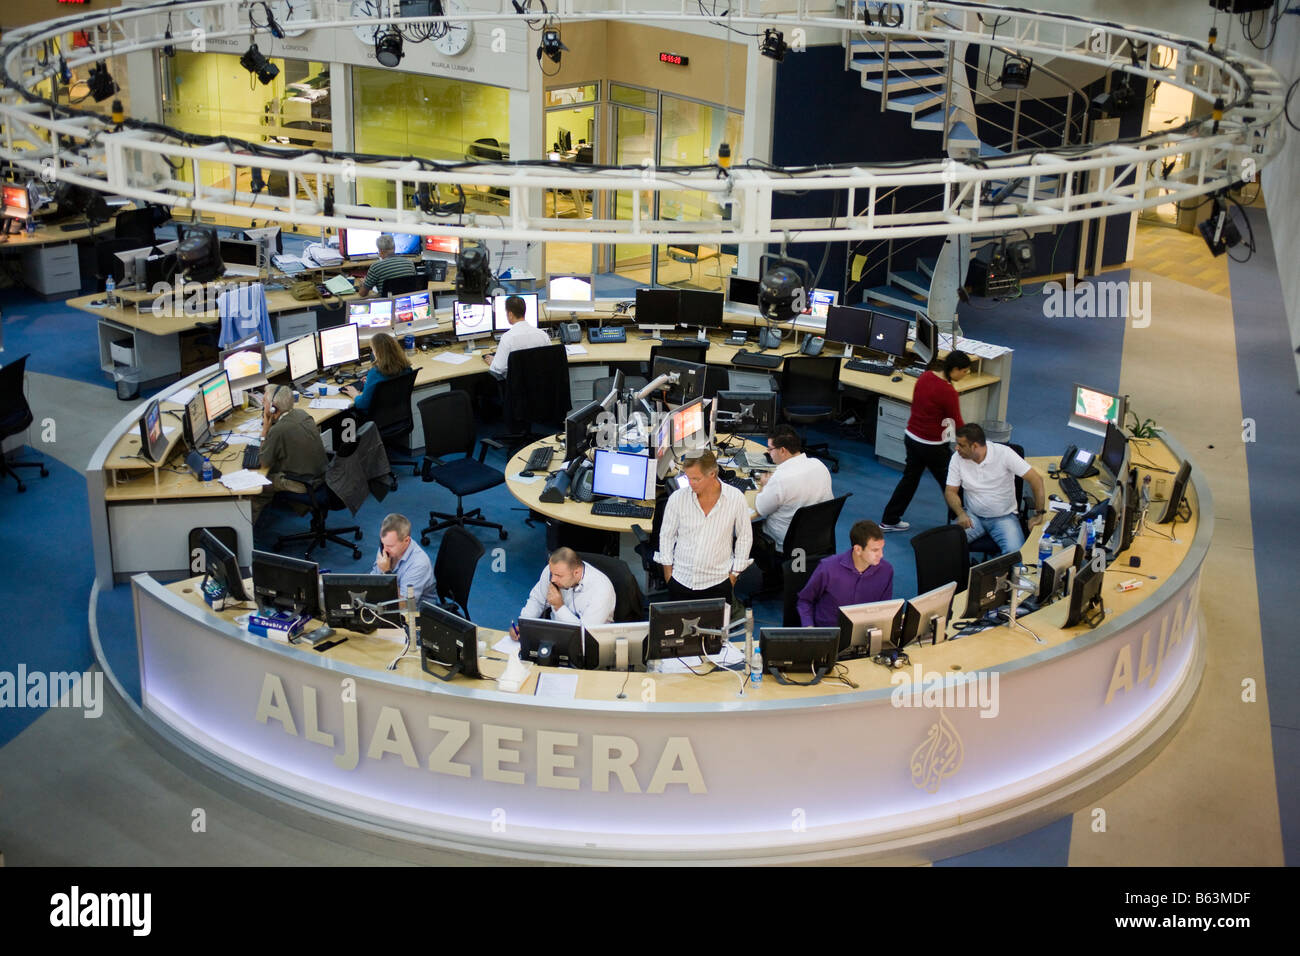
[988, 474]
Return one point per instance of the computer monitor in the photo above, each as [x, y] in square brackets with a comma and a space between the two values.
[348, 601]
[448, 245]
[793, 650]
[742, 295]
[699, 309]
[371, 313]
[866, 628]
[153, 440]
[406, 244]
[1056, 573]
[359, 243]
[664, 458]
[268, 237]
[447, 640]
[217, 403]
[564, 140]
[848, 325]
[657, 308]
[286, 585]
[571, 292]
[1132, 510]
[240, 256]
[620, 474]
[220, 566]
[692, 377]
[617, 646]
[133, 260]
[926, 346]
[1086, 604]
[1178, 495]
[553, 643]
[300, 354]
[195, 422]
[819, 303]
[988, 589]
[926, 615]
[411, 308]
[616, 390]
[17, 203]
[749, 412]
[1094, 409]
[245, 363]
[688, 426]
[339, 345]
[1114, 451]
[888, 334]
[471, 320]
[501, 319]
[577, 426]
[674, 628]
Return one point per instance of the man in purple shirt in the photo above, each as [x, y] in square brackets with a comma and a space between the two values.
[858, 576]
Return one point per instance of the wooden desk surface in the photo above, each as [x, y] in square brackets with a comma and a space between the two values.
[52, 235]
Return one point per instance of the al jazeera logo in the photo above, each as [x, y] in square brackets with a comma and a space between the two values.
[939, 756]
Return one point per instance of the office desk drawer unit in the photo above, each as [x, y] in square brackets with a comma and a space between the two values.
[52, 270]
[891, 422]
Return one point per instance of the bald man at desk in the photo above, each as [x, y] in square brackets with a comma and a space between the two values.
[291, 445]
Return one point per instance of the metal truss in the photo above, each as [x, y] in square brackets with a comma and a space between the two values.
[142, 160]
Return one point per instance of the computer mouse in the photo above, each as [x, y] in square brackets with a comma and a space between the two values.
[525, 474]
[897, 378]
[1055, 498]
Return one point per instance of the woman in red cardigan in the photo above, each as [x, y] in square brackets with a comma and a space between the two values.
[934, 406]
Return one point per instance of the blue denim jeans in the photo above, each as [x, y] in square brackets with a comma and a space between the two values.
[1005, 530]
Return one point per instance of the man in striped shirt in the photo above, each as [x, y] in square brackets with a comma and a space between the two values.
[705, 536]
[388, 267]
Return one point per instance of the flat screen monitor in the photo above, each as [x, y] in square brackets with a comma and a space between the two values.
[17, 203]
[657, 308]
[865, 629]
[219, 565]
[926, 615]
[448, 245]
[700, 309]
[987, 589]
[371, 313]
[1178, 494]
[793, 650]
[1056, 573]
[245, 363]
[572, 292]
[339, 345]
[742, 295]
[553, 643]
[237, 252]
[616, 646]
[1093, 409]
[217, 403]
[501, 319]
[820, 301]
[406, 244]
[926, 346]
[577, 428]
[153, 440]
[471, 320]
[674, 628]
[269, 237]
[621, 474]
[1132, 510]
[359, 243]
[196, 421]
[349, 600]
[300, 353]
[411, 308]
[447, 640]
[848, 325]
[688, 424]
[692, 378]
[1086, 604]
[889, 334]
[133, 260]
[748, 412]
[286, 585]
[1114, 449]
[664, 458]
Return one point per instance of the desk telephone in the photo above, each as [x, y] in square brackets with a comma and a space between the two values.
[812, 345]
[1077, 462]
[570, 333]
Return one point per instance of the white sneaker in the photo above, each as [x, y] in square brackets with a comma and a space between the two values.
[901, 526]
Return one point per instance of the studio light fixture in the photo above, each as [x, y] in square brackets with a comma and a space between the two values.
[199, 256]
[1218, 230]
[169, 49]
[1015, 72]
[781, 294]
[473, 273]
[773, 45]
[388, 47]
[552, 46]
[100, 82]
[1116, 101]
[255, 62]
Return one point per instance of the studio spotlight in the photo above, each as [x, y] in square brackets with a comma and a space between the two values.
[388, 47]
[1015, 72]
[100, 82]
[254, 62]
[256, 182]
[199, 256]
[551, 45]
[773, 45]
[1116, 102]
[1219, 231]
[473, 273]
[781, 294]
[169, 49]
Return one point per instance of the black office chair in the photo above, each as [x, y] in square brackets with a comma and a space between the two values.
[453, 570]
[792, 582]
[812, 527]
[390, 410]
[941, 558]
[984, 546]
[685, 352]
[106, 261]
[629, 604]
[136, 225]
[448, 421]
[536, 392]
[405, 285]
[810, 392]
[15, 417]
[320, 501]
[647, 543]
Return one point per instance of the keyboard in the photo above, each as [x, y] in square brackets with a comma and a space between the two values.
[621, 509]
[756, 359]
[914, 370]
[744, 484]
[1071, 489]
[252, 456]
[540, 458]
[1061, 524]
[874, 368]
[607, 333]
[741, 459]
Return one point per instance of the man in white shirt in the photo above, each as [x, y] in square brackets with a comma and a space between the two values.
[988, 474]
[572, 591]
[705, 537]
[797, 481]
[519, 336]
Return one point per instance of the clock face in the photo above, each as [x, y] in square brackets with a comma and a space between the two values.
[288, 11]
[367, 8]
[195, 18]
[458, 32]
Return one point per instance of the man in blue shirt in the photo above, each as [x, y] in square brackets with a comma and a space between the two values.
[860, 575]
[398, 555]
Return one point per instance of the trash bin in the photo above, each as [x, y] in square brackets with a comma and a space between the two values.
[127, 378]
[997, 431]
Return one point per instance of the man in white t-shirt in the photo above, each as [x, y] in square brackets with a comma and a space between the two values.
[519, 336]
[797, 481]
[988, 474]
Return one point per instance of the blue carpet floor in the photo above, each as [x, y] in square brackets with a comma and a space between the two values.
[62, 341]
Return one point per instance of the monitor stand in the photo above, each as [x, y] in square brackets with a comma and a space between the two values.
[1018, 585]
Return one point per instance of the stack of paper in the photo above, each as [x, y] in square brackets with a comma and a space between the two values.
[244, 480]
[452, 358]
[331, 403]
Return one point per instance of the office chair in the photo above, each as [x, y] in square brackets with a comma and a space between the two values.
[692, 352]
[320, 500]
[453, 570]
[489, 150]
[690, 255]
[536, 390]
[448, 422]
[810, 393]
[136, 225]
[106, 261]
[647, 543]
[941, 558]
[812, 527]
[15, 417]
[984, 545]
[629, 605]
[390, 410]
[405, 285]
[792, 582]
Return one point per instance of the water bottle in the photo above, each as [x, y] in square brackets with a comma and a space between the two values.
[756, 668]
[1044, 548]
[109, 286]
[1091, 525]
[207, 468]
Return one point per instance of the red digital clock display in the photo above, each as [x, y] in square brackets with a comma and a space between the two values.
[676, 59]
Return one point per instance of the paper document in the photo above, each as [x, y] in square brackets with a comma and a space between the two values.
[330, 403]
[453, 358]
[855, 270]
[563, 686]
[575, 350]
[526, 481]
[183, 396]
[731, 655]
[507, 645]
[244, 480]
[339, 285]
